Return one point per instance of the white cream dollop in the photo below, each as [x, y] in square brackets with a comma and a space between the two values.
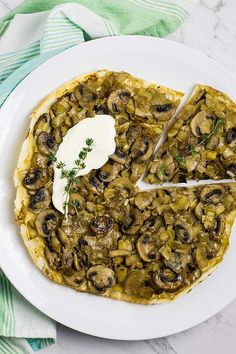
[101, 129]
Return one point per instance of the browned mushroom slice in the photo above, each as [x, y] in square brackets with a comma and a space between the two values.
[178, 261]
[212, 194]
[35, 178]
[231, 136]
[102, 278]
[119, 156]
[231, 166]
[163, 111]
[102, 224]
[166, 279]
[201, 123]
[217, 227]
[142, 148]
[75, 280]
[93, 184]
[138, 283]
[147, 247]
[108, 173]
[124, 184]
[144, 199]
[164, 167]
[205, 252]
[183, 232]
[46, 222]
[40, 200]
[52, 258]
[118, 100]
[85, 95]
[134, 222]
[133, 133]
[46, 143]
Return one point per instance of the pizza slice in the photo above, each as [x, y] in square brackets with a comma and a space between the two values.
[201, 144]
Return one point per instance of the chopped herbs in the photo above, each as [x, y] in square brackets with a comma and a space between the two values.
[179, 158]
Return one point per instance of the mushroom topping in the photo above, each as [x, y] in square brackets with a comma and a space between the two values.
[205, 252]
[213, 142]
[108, 173]
[123, 184]
[231, 165]
[178, 261]
[166, 279]
[152, 223]
[201, 124]
[52, 258]
[84, 95]
[102, 224]
[147, 247]
[118, 100]
[134, 222]
[102, 278]
[231, 136]
[165, 167]
[35, 178]
[183, 232]
[93, 184]
[217, 227]
[133, 133]
[75, 279]
[46, 222]
[163, 107]
[119, 156]
[212, 194]
[162, 111]
[144, 199]
[46, 143]
[40, 200]
[199, 210]
[138, 283]
[142, 148]
[42, 124]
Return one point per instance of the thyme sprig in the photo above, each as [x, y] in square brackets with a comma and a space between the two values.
[71, 175]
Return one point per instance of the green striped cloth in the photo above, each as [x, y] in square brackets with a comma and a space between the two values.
[31, 34]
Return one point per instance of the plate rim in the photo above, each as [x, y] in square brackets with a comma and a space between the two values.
[105, 39]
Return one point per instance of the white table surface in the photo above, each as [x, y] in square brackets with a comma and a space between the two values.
[211, 29]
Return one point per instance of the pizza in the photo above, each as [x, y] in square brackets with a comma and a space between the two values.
[108, 237]
[202, 142]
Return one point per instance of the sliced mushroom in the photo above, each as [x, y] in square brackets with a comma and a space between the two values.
[205, 252]
[231, 165]
[40, 200]
[118, 100]
[217, 227]
[144, 199]
[163, 107]
[183, 232]
[85, 95]
[75, 280]
[122, 183]
[133, 133]
[138, 283]
[119, 156]
[102, 278]
[164, 167]
[201, 123]
[93, 184]
[46, 222]
[178, 262]
[212, 194]
[152, 224]
[39, 161]
[142, 148]
[42, 124]
[35, 178]
[199, 210]
[46, 143]
[166, 279]
[231, 135]
[52, 258]
[147, 247]
[108, 173]
[102, 224]
[134, 222]
[163, 111]
[213, 143]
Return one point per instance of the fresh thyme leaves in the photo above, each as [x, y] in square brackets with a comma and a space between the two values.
[71, 175]
[179, 158]
[206, 137]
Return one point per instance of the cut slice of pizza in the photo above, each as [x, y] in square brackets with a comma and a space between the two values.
[201, 144]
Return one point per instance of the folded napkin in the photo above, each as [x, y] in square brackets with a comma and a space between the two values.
[31, 34]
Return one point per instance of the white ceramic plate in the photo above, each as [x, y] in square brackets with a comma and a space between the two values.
[161, 61]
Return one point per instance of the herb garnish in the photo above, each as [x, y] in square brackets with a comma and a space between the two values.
[71, 175]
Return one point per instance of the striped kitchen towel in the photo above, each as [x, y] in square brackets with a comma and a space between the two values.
[31, 34]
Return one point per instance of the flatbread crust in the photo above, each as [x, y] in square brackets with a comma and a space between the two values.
[36, 245]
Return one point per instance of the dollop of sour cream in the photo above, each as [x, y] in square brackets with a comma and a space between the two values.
[101, 129]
